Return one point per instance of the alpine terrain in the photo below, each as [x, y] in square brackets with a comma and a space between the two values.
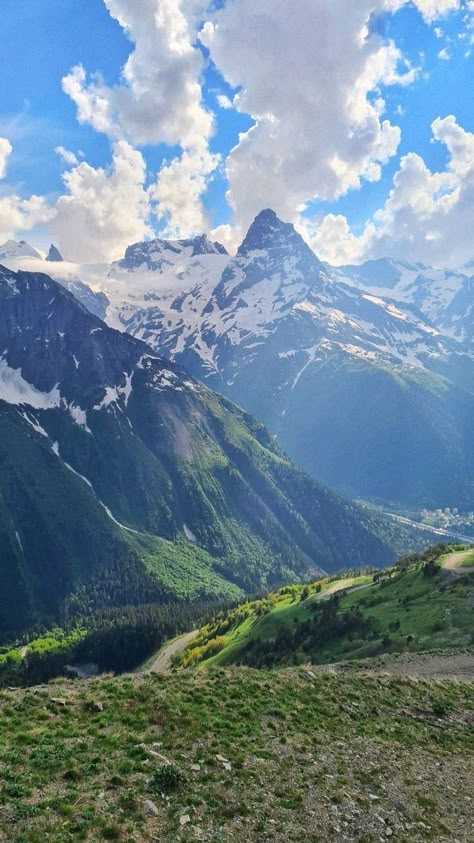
[124, 480]
[365, 374]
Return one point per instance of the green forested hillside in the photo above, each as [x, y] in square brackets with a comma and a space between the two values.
[416, 605]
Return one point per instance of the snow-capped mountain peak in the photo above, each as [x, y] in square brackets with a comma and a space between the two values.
[18, 249]
[444, 296]
[269, 233]
[158, 254]
[313, 350]
[272, 270]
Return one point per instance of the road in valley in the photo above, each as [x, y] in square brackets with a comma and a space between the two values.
[439, 531]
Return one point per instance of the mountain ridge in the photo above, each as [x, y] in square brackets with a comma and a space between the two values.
[347, 368]
[118, 464]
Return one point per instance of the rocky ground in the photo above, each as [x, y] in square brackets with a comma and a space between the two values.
[436, 665]
[230, 755]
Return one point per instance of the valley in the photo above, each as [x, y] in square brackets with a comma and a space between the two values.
[449, 533]
[143, 484]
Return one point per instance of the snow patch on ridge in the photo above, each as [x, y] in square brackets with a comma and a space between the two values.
[14, 389]
[35, 425]
[113, 394]
[79, 416]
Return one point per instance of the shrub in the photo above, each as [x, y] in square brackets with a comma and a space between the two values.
[167, 777]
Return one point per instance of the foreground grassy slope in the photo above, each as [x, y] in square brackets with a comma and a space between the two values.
[253, 755]
[413, 607]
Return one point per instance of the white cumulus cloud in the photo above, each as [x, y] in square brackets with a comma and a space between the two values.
[6, 150]
[19, 215]
[178, 191]
[428, 216]
[311, 75]
[434, 9]
[69, 158]
[104, 209]
[158, 100]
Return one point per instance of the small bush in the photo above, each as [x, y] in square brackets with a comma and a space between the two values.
[167, 777]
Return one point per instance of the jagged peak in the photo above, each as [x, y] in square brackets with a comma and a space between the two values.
[158, 251]
[268, 232]
[202, 245]
[54, 255]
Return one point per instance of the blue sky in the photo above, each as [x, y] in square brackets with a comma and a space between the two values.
[38, 47]
[444, 87]
[41, 40]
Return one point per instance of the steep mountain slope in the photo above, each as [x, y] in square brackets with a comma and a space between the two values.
[445, 297]
[363, 391]
[122, 479]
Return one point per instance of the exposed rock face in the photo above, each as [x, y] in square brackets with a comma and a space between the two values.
[54, 255]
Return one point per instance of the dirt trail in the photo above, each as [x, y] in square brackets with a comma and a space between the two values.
[454, 561]
[340, 585]
[162, 663]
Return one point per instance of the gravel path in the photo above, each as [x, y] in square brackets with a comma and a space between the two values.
[455, 665]
[454, 561]
[340, 585]
[162, 663]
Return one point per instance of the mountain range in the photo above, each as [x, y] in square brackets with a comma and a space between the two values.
[123, 479]
[364, 373]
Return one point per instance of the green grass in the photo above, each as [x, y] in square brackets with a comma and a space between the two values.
[263, 618]
[71, 773]
[469, 562]
[436, 614]
[405, 610]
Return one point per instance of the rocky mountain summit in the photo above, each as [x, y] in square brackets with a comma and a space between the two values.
[54, 255]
